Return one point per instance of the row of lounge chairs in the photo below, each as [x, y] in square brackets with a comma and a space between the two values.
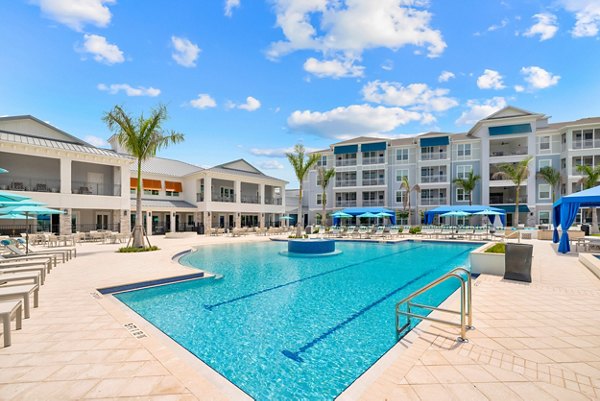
[238, 232]
[21, 276]
[438, 232]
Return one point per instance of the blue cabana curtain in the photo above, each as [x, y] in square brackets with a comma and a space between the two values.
[568, 213]
[556, 222]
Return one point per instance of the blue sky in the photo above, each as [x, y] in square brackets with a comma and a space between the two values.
[250, 78]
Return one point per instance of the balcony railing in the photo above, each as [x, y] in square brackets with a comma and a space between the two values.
[501, 152]
[12, 183]
[373, 160]
[499, 200]
[273, 201]
[373, 202]
[345, 183]
[221, 198]
[434, 201]
[345, 203]
[92, 188]
[250, 199]
[428, 179]
[434, 156]
[345, 162]
[200, 197]
[373, 181]
[586, 144]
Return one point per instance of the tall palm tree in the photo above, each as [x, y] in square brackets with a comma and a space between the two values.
[324, 176]
[141, 137]
[590, 178]
[517, 173]
[468, 184]
[301, 163]
[405, 184]
[552, 177]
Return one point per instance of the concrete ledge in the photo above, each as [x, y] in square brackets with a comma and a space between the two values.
[185, 234]
[487, 263]
[591, 262]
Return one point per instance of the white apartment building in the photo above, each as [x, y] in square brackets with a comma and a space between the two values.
[369, 170]
[95, 187]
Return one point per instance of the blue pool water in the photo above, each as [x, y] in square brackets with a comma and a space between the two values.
[284, 328]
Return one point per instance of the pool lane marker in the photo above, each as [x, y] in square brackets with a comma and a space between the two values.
[210, 307]
[295, 356]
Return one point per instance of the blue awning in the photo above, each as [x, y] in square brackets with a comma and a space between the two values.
[510, 129]
[511, 208]
[371, 147]
[342, 150]
[437, 141]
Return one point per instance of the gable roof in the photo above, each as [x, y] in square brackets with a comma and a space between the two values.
[564, 124]
[511, 111]
[241, 167]
[162, 166]
[66, 136]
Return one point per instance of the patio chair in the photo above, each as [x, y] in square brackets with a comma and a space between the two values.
[33, 276]
[10, 310]
[465, 232]
[446, 232]
[64, 255]
[23, 292]
[428, 231]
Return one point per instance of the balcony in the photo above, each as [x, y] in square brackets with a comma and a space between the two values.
[373, 202]
[216, 197]
[434, 156]
[345, 183]
[12, 183]
[200, 197]
[433, 201]
[92, 188]
[373, 160]
[345, 203]
[508, 147]
[586, 144]
[501, 200]
[429, 179]
[345, 162]
[250, 199]
[273, 201]
[373, 181]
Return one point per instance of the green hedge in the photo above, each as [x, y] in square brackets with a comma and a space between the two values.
[134, 250]
[498, 248]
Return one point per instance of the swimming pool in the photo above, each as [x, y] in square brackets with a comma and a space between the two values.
[284, 328]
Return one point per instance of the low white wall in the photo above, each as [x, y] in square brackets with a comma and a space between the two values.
[591, 262]
[487, 263]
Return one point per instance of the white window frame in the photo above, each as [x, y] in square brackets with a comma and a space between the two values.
[462, 170]
[404, 152]
[399, 179]
[319, 199]
[463, 147]
[540, 216]
[545, 162]
[549, 149]
[549, 191]
[402, 193]
[464, 195]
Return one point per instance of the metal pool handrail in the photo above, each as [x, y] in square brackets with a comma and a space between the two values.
[466, 311]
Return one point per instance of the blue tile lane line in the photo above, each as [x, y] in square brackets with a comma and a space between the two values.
[143, 284]
[296, 355]
[212, 306]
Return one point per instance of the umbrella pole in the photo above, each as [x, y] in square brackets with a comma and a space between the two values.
[26, 233]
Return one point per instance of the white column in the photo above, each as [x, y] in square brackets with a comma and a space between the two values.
[262, 220]
[238, 220]
[207, 222]
[148, 223]
[237, 188]
[207, 189]
[65, 222]
[65, 176]
[173, 227]
[261, 193]
[125, 182]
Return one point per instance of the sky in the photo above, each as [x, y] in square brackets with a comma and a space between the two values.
[251, 78]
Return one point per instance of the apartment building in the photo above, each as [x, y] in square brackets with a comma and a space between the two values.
[369, 170]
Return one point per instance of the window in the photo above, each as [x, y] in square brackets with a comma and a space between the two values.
[464, 150]
[545, 143]
[322, 161]
[150, 192]
[401, 173]
[544, 217]
[563, 163]
[400, 196]
[319, 199]
[461, 195]
[463, 171]
[544, 163]
[402, 155]
[544, 191]
[172, 193]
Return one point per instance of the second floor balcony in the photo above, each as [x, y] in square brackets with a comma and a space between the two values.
[373, 181]
[345, 162]
[250, 199]
[434, 156]
[93, 188]
[373, 202]
[428, 179]
[373, 160]
[217, 197]
[273, 201]
[346, 183]
[17, 183]
[345, 203]
[434, 201]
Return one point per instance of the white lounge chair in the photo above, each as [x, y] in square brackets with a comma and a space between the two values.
[33, 276]
[23, 292]
[10, 310]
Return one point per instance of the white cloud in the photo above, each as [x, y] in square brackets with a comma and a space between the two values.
[519, 88]
[415, 96]
[496, 27]
[271, 165]
[77, 13]
[185, 53]
[352, 120]
[587, 15]
[477, 111]
[336, 68]
[96, 141]
[445, 76]
[348, 28]
[113, 89]
[251, 104]
[103, 51]
[203, 101]
[388, 65]
[490, 79]
[230, 5]
[538, 78]
[276, 152]
[546, 26]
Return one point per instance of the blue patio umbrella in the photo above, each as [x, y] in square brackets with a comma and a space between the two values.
[341, 215]
[367, 215]
[285, 218]
[13, 216]
[8, 198]
[2, 171]
[27, 210]
[488, 213]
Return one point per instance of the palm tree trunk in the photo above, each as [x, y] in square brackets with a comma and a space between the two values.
[516, 214]
[594, 228]
[408, 218]
[324, 216]
[138, 240]
[300, 222]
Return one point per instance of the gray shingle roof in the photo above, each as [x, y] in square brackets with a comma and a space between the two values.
[7, 136]
[158, 203]
[174, 168]
[241, 172]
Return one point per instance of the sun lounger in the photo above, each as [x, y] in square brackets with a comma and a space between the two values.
[66, 252]
[465, 232]
[23, 292]
[41, 269]
[10, 310]
[33, 276]
[12, 258]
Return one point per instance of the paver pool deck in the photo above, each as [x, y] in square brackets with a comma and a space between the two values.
[538, 341]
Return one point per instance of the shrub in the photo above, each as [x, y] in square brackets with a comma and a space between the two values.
[498, 248]
[316, 230]
[415, 230]
[134, 250]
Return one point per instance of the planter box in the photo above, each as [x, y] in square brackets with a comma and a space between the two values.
[545, 235]
[487, 263]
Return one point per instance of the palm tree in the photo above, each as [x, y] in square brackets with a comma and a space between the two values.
[552, 177]
[468, 184]
[324, 176]
[142, 138]
[590, 178]
[405, 184]
[301, 164]
[517, 173]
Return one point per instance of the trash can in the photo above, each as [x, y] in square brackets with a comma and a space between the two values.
[517, 262]
[586, 229]
[200, 229]
[308, 230]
